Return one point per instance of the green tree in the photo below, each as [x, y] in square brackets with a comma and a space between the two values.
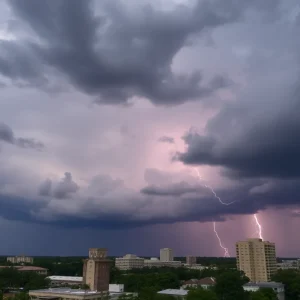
[291, 280]
[197, 294]
[229, 285]
[263, 294]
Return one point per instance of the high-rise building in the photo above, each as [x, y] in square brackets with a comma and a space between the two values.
[191, 260]
[129, 261]
[166, 254]
[257, 258]
[96, 270]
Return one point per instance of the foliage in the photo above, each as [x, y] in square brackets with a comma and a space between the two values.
[229, 285]
[263, 294]
[291, 279]
[12, 278]
[196, 294]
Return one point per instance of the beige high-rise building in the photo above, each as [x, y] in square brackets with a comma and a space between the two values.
[257, 258]
[96, 270]
[166, 254]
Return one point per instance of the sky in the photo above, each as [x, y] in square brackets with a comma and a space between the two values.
[111, 109]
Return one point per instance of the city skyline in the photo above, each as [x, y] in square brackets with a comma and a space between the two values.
[148, 124]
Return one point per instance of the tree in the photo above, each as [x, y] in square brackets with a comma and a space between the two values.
[229, 285]
[201, 294]
[263, 294]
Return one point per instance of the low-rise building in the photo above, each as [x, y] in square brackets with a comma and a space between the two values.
[114, 292]
[277, 287]
[129, 261]
[199, 267]
[176, 293]
[205, 283]
[38, 270]
[65, 280]
[156, 263]
[20, 259]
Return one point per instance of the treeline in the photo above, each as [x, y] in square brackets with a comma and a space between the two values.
[229, 286]
[12, 278]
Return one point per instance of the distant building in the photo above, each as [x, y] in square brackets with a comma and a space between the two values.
[289, 264]
[205, 283]
[191, 260]
[38, 270]
[20, 259]
[156, 263]
[166, 254]
[96, 270]
[199, 267]
[277, 287]
[257, 258]
[129, 261]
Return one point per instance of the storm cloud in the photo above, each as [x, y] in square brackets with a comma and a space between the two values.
[114, 53]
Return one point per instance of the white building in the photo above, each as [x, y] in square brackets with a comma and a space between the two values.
[20, 259]
[277, 287]
[166, 254]
[174, 292]
[129, 261]
[65, 280]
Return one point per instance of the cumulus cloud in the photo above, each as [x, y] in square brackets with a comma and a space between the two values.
[116, 52]
[7, 135]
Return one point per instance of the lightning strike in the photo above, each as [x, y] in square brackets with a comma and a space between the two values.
[226, 252]
[259, 226]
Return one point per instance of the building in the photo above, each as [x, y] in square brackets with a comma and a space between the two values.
[205, 283]
[289, 264]
[191, 260]
[156, 263]
[257, 258]
[174, 292]
[277, 287]
[96, 270]
[65, 280]
[129, 261]
[20, 259]
[199, 267]
[166, 254]
[38, 270]
[114, 292]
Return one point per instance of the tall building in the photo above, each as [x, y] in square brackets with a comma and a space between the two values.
[166, 254]
[96, 270]
[20, 259]
[257, 258]
[191, 260]
[129, 261]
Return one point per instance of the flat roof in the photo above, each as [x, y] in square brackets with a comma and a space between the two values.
[271, 284]
[175, 292]
[66, 278]
[65, 291]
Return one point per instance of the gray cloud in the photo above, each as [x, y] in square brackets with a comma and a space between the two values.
[7, 135]
[65, 187]
[116, 54]
[166, 139]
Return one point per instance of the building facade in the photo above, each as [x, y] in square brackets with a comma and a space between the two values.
[129, 261]
[166, 254]
[20, 259]
[257, 258]
[156, 263]
[191, 260]
[96, 270]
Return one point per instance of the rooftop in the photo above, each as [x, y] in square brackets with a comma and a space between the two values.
[271, 284]
[66, 278]
[65, 291]
[174, 292]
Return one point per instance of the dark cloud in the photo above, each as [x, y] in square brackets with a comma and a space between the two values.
[266, 147]
[115, 54]
[166, 139]
[7, 135]
[65, 187]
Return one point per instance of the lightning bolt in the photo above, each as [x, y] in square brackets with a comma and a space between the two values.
[226, 252]
[258, 226]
